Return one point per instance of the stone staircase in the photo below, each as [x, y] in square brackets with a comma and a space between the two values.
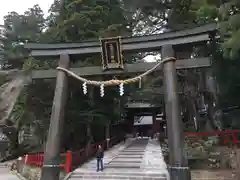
[128, 160]
[131, 156]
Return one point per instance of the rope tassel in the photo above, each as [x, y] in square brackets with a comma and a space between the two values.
[84, 88]
[140, 83]
[102, 90]
[121, 89]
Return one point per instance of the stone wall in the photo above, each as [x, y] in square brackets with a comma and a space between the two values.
[208, 160]
[32, 172]
[212, 175]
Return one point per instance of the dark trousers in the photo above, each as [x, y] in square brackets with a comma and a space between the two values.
[99, 164]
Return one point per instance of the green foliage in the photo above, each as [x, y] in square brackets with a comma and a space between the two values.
[79, 19]
[2, 79]
[207, 14]
[21, 28]
[20, 112]
[229, 14]
[30, 64]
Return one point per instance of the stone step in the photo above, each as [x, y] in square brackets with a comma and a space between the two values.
[130, 150]
[122, 165]
[126, 160]
[117, 175]
[131, 153]
[110, 177]
[137, 146]
[125, 172]
[130, 156]
[127, 150]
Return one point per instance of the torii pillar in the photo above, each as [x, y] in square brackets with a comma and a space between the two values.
[178, 165]
[51, 164]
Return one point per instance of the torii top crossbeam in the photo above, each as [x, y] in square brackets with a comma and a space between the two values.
[138, 43]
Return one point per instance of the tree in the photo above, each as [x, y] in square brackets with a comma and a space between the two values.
[79, 19]
[229, 13]
[21, 28]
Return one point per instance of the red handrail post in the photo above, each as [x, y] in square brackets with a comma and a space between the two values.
[68, 161]
[26, 159]
[234, 136]
[225, 139]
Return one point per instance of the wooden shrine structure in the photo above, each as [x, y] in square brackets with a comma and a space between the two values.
[171, 45]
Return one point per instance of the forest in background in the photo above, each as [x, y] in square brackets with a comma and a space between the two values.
[77, 20]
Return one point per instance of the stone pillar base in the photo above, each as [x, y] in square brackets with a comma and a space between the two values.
[180, 173]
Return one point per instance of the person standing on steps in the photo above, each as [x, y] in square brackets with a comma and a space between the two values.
[100, 155]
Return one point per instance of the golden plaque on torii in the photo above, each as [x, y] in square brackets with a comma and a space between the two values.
[111, 53]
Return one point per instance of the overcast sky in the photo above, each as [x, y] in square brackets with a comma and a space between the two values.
[21, 5]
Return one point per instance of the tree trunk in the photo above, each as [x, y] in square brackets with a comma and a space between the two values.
[14, 145]
[107, 133]
[214, 112]
[89, 132]
[89, 138]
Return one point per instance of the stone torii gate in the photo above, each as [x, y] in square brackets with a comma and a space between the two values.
[167, 43]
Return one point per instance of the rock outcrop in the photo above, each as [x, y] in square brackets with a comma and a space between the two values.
[9, 93]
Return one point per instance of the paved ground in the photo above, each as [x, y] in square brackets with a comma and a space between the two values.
[6, 174]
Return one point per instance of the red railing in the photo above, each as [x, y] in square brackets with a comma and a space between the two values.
[37, 158]
[226, 137]
[71, 160]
